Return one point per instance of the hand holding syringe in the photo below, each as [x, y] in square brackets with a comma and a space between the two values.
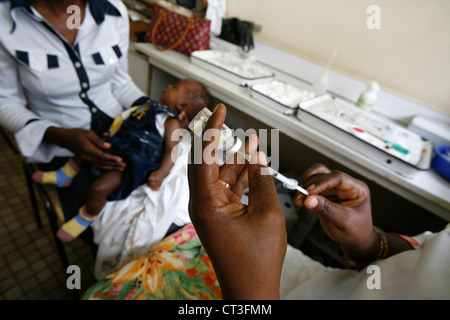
[230, 144]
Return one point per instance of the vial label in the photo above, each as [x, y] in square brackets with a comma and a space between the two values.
[227, 141]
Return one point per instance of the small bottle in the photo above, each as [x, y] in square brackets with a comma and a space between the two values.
[368, 98]
[228, 143]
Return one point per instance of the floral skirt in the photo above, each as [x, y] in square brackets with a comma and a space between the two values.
[178, 268]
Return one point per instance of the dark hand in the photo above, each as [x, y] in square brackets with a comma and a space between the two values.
[343, 205]
[86, 145]
[246, 244]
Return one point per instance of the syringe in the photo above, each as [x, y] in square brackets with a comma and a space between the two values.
[231, 145]
[288, 183]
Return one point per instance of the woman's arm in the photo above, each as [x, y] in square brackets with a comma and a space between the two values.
[27, 126]
[246, 244]
[14, 115]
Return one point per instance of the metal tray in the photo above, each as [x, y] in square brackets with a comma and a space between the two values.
[279, 101]
[374, 136]
[231, 66]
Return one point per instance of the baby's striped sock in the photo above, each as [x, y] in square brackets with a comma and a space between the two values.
[62, 177]
[74, 227]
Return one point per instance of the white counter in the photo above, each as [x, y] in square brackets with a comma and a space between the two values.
[426, 189]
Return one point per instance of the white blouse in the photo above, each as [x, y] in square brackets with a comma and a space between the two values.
[62, 85]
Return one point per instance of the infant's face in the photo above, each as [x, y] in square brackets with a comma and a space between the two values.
[175, 95]
[171, 95]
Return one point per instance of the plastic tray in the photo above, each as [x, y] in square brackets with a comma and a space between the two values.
[231, 66]
[280, 95]
[374, 136]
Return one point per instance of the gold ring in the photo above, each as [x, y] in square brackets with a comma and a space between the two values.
[225, 184]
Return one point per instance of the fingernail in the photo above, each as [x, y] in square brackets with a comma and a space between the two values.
[252, 144]
[311, 202]
[260, 158]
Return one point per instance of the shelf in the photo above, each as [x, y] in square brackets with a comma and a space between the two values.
[426, 189]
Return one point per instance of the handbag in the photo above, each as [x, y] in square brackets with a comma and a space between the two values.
[238, 32]
[172, 31]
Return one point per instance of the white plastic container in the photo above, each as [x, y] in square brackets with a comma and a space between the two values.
[280, 96]
[231, 66]
[376, 137]
[437, 131]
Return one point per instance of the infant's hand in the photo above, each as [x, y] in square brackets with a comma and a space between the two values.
[155, 180]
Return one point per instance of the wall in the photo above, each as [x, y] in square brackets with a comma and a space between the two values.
[408, 56]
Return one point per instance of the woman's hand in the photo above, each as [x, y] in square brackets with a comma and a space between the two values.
[343, 205]
[86, 145]
[246, 244]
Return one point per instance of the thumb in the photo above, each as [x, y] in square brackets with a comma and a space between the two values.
[327, 209]
[99, 142]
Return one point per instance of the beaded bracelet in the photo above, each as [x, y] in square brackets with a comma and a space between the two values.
[382, 253]
[383, 244]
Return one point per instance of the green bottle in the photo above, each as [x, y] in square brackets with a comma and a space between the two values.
[368, 98]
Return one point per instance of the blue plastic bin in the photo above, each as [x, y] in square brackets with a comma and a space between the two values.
[441, 161]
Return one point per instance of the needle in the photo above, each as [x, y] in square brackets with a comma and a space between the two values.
[287, 182]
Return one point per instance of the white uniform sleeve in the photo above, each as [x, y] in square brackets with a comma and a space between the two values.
[30, 142]
[28, 128]
[13, 113]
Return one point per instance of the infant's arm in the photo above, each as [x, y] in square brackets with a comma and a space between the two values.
[170, 152]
